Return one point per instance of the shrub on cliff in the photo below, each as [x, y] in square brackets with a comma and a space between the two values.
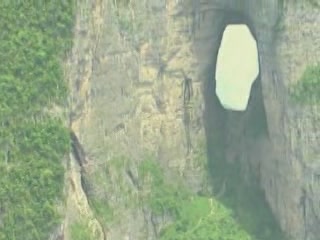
[307, 89]
[195, 217]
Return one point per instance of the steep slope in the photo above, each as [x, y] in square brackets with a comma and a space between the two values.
[130, 73]
[276, 139]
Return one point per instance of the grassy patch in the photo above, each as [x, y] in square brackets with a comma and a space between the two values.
[204, 218]
[307, 90]
[194, 217]
[34, 38]
[247, 202]
[102, 209]
[80, 231]
[162, 197]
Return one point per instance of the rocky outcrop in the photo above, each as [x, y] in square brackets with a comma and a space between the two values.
[127, 80]
[284, 155]
[127, 103]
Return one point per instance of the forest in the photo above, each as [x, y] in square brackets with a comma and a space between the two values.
[35, 37]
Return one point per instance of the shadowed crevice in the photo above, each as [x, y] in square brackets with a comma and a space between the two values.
[231, 137]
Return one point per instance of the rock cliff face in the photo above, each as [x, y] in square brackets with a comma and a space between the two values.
[129, 73]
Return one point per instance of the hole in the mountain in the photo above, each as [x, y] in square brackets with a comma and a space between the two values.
[237, 67]
[236, 128]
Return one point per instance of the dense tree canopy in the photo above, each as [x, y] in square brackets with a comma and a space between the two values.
[34, 38]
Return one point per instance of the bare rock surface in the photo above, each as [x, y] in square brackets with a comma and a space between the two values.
[127, 73]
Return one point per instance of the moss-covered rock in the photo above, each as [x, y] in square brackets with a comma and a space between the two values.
[307, 89]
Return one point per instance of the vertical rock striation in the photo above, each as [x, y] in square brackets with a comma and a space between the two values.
[284, 159]
[125, 74]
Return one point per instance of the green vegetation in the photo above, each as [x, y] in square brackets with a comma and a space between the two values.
[245, 198]
[240, 213]
[195, 217]
[249, 206]
[80, 231]
[163, 197]
[102, 210]
[34, 38]
[204, 218]
[32, 179]
[307, 90]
